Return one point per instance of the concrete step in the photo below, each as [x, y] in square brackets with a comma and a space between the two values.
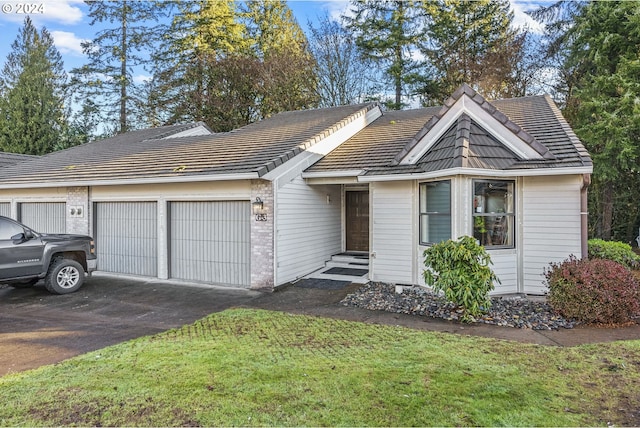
[351, 265]
[355, 279]
[349, 259]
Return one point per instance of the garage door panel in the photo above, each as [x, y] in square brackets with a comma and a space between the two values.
[5, 209]
[210, 242]
[126, 237]
[44, 217]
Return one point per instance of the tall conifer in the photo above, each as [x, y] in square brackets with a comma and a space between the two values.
[32, 112]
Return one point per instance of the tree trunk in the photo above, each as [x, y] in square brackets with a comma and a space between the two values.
[607, 210]
[123, 71]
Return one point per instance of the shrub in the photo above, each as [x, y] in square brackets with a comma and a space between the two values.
[461, 269]
[614, 250]
[593, 291]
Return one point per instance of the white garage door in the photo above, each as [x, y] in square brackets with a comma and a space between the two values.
[5, 209]
[210, 242]
[44, 217]
[126, 235]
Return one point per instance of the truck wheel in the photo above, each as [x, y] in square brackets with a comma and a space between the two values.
[64, 276]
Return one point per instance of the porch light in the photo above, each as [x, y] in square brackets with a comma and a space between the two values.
[257, 206]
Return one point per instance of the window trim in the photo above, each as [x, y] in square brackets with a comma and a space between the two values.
[511, 214]
[427, 213]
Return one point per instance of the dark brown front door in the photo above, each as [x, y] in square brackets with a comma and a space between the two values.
[357, 219]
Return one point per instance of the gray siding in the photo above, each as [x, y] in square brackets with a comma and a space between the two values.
[309, 228]
[126, 237]
[394, 240]
[551, 225]
[44, 217]
[210, 242]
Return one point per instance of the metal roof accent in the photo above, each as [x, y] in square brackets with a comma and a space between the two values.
[468, 92]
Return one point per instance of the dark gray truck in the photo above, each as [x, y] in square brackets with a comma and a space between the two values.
[27, 256]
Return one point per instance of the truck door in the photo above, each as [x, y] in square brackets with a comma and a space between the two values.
[18, 257]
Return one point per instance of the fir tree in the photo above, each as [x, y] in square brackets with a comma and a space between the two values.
[113, 54]
[470, 42]
[32, 114]
[603, 54]
[387, 33]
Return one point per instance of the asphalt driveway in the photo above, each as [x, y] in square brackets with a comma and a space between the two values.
[38, 328]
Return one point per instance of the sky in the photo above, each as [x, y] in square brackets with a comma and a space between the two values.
[68, 23]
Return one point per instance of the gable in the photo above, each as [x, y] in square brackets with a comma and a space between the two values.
[466, 145]
[467, 103]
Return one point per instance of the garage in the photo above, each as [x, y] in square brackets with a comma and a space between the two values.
[210, 241]
[5, 209]
[126, 235]
[45, 217]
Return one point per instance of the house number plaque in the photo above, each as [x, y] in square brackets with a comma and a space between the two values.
[261, 217]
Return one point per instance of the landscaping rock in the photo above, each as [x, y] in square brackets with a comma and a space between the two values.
[518, 312]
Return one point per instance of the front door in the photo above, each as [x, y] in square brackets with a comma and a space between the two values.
[357, 220]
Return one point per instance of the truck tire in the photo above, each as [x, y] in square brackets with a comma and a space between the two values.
[64, 276]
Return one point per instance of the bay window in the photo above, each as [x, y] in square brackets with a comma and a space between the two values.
[494, 213]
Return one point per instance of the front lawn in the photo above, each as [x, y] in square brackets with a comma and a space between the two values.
[247, 367]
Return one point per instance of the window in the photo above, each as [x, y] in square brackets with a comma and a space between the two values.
[493, 213]
[435, 212]
[9, 229]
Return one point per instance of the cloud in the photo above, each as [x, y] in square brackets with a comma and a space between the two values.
[65, 12]
[521, 19]
[141, 78]
[67, 42]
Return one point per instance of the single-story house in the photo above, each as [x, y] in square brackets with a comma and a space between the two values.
[271, 202]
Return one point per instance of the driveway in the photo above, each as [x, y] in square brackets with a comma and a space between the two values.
[38, 328]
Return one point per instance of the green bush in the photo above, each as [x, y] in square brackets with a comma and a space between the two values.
[614, 250]
[593, 291]
[461, 270]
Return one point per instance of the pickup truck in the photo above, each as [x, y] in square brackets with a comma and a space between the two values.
[27, 256]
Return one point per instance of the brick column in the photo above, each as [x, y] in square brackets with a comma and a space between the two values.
[262, 275]
[78, 198]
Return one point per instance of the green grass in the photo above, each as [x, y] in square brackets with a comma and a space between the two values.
[246, 367]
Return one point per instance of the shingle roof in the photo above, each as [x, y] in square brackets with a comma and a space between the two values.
[8, 159]
[149, 154]
[536, 120]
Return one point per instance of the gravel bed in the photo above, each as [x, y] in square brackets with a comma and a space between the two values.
[508, 312]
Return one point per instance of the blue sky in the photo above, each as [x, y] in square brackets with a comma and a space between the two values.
[68, 23]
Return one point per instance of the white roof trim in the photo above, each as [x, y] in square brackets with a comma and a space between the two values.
[535, 172]
[465, 104]
[133, 181]
[331, 142]
[198, 130]
[334, 174]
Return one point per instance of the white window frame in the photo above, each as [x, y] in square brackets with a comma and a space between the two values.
[493, 236]
[427, 213]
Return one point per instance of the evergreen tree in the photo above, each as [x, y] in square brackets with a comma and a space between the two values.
[32, 114]
[113, 54]
[558, 19]
[471, 42]
[603, 52]
[202, 33]
[387, 33]
[229, 67]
